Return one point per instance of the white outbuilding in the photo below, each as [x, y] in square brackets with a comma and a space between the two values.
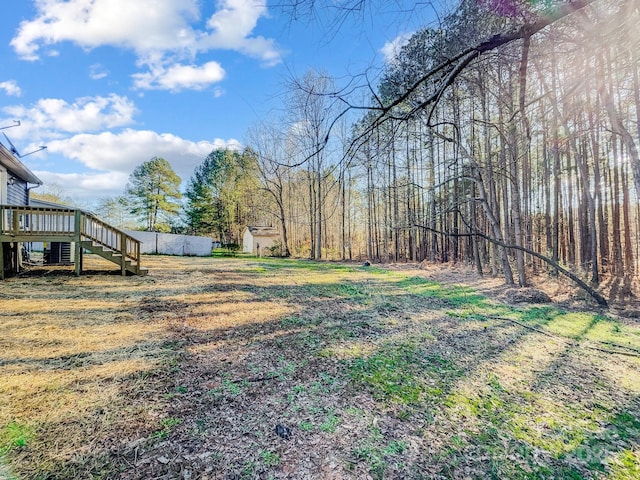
[258, 240]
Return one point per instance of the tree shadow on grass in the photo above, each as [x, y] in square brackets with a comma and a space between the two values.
[416, 370]
[570, 420]
[334, 371]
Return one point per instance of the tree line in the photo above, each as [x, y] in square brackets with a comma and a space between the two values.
[218, 201]
[505, 138]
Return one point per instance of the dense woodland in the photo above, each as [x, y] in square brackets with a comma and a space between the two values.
[505, 138]
[529, 143]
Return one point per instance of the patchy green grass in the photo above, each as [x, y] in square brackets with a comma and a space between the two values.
[15, 435]
[625, 465]
[270, 459]
[266, 368]
[377, 454]
[166, 426]
[404, 373]
[453, 295]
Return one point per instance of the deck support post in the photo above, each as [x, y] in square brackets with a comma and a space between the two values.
[78, 253]
[123, 250]
[2, 214]
[15, 246]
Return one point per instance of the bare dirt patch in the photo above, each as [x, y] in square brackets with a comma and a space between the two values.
[246, 368]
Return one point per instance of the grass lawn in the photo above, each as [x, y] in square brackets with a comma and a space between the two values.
[224, 368]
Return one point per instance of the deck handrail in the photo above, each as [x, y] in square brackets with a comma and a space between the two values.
[27, 222]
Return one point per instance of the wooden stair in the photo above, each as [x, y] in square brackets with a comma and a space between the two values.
[129, 266]
[66, 225]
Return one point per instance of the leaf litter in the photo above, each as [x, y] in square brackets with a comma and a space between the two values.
[246, 368]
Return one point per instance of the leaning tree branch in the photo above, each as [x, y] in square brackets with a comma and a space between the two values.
[451, 68]
[581, 283]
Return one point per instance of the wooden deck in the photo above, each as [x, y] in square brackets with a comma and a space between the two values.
[23, 224]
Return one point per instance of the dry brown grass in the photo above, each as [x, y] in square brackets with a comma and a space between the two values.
[377, 374]
[73, 352]
[86, 362]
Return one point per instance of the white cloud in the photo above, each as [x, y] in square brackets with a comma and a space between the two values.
[231, 27]
[391, 49]
[178, 77]
[109, 155]
[11, 88]
[141, 25]
[53, 116]
[86, 187]
[122, 152]
[98, 72]
[161, 32]
[109, 158]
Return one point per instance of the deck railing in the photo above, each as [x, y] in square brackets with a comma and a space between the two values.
[24, 224]
[18, 221]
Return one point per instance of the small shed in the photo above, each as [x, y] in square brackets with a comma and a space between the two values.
[258, 240]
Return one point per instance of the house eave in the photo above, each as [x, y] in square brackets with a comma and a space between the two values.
[16, 167]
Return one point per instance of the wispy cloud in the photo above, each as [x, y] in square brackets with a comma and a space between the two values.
[54, 117]
[11, 88]
[83, 186]
[392, 48]
[98, 72]
[178, 77]
[119, 152]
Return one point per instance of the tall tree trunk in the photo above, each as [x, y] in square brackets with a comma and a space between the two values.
[319, 206]
[283, 224]
[555, 245]
[433, 251]
[343, 216]
[312, 212]
[619, 128]
[495, 229]
[516, 198]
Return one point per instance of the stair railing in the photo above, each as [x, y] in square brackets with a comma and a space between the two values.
[26, 223]
[108, 236]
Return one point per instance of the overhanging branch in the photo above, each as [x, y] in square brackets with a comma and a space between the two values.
[450, 69]
[593, 293]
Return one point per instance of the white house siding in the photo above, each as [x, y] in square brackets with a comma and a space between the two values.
[3, 185]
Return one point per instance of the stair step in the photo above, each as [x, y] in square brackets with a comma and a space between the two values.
[113, 256]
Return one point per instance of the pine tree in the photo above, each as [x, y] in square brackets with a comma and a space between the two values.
[154, 191]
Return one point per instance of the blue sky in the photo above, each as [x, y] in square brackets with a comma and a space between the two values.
[109, 84]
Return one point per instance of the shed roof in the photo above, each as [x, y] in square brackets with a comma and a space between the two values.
[263, 231]
[16, 167]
